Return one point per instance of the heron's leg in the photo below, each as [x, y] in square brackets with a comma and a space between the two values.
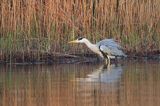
[109, 61]
[106, 60]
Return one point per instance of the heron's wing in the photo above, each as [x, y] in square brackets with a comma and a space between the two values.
[110, 47]
[109, 42]
[105, 49]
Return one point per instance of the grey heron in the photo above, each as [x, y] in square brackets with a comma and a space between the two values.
[107, 48]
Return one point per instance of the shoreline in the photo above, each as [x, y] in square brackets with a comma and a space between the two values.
[60, 58]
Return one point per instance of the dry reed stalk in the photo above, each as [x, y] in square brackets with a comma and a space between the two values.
[58, 21]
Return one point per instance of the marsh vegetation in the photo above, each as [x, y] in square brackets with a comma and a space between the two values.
[32, 28]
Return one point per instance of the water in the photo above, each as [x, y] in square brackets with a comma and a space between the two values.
[127, 84]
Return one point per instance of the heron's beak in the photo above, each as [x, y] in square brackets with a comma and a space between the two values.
[74, 41]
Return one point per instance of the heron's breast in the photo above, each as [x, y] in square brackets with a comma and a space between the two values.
[97, 51]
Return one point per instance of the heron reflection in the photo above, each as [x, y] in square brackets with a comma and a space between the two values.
[104, 74]
[103, 82]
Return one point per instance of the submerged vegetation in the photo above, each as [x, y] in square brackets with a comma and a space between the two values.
[45, 26]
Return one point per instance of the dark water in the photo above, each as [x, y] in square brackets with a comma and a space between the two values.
[130, 84]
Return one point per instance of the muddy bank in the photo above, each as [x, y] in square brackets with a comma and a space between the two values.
[60, 58]
[46, 58]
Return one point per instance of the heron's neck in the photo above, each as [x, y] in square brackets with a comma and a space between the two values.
[93, 47]
[89, 44]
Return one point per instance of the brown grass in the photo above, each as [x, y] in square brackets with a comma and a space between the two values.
[47, 25]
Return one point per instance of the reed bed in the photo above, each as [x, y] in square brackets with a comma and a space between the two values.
[47, 25]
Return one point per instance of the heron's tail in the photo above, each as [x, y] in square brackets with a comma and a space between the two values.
[112, 57]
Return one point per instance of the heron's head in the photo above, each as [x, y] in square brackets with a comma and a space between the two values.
[79, 40]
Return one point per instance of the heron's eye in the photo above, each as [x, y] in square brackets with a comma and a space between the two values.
[80, 38]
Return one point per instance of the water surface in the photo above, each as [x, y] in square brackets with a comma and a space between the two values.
[127, 84]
